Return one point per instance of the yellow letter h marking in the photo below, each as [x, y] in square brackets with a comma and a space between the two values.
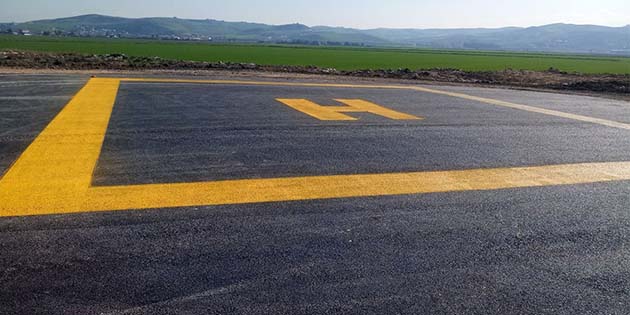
[337, 112]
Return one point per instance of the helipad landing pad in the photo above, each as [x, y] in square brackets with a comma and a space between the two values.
[58, 172]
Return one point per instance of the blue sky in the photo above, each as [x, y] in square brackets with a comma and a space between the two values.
[350, 13]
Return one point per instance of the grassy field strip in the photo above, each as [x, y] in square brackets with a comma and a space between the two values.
[327, 57]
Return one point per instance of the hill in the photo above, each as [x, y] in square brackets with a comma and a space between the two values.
[549, 38]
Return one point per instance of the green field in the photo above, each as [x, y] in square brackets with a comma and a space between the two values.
[329, 57]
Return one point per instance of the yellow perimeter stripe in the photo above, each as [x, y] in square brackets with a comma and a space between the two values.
[54, 174]
[55, 171]
[533, 109]
[345, 186]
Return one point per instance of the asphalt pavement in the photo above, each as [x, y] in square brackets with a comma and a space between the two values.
[539, 245]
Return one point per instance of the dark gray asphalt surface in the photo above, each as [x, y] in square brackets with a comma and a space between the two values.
[164, 133]
[551, 250]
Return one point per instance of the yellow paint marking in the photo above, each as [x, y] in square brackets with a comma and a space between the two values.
[264, 83]
[55, 171]
[54, 174]
[346, 186]
[336, 112]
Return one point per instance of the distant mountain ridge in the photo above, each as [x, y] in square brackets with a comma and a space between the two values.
[547, 38]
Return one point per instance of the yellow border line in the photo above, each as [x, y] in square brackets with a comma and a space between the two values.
[54, 173]
[346, 186]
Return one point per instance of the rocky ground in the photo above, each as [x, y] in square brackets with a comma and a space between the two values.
[551, 79]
